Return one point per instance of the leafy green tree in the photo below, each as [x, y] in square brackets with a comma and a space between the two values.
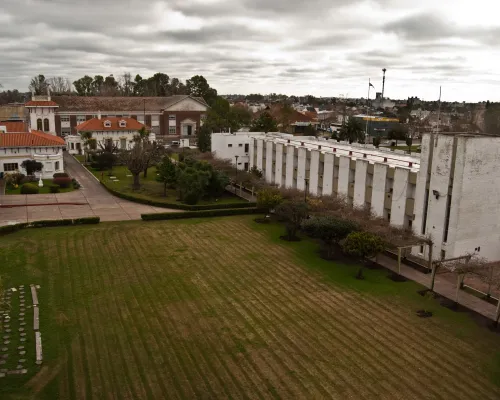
[39, 85]
[138, 158]
[198, 86]
[399, 132]
[32, 166]
[105, 161]
[329, 230]
[264, 123]
[84, 86]
[217, 184]
[204, 139]
[293, 212]
[362, 245]
[167, 174]
[376, 141]
[268, 198]
[352, 131]
[192, 184]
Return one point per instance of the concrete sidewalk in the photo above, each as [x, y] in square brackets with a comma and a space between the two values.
[92, 199]
[442, 286]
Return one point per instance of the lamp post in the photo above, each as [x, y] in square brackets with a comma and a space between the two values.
[306, 189]
[236, 178]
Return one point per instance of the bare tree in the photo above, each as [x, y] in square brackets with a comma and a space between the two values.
[59, 85]
[38, 85]
[139, 158]
[491, 275]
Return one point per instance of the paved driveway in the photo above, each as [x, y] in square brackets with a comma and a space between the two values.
[90, 200]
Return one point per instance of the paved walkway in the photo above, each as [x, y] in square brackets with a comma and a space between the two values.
[442, 286]
[90, 200]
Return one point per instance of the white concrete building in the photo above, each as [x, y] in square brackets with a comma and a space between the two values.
[42, 114]
[32, 145]
[450, 192]
[229, 145]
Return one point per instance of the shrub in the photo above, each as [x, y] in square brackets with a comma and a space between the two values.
[29, 188]
[200, 214]
[14, 178]
[54, 188]
[269, 198]
[29, 179]
[60, 175]
[62, 182]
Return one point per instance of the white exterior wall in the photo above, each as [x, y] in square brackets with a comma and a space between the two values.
[328, 174]
[289, 166]
[314, 172]
[269, 161]
[42, 113]
[378, 188]
[360, 183]
[399, 196]
[260, 153]
[278, 175]
[48, 156]
[421, 183]
[344, 166]
[475, 218]
[220, 146]
[301, 168]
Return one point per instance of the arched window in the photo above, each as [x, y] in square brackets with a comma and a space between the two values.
[46, 125]
[39, 124]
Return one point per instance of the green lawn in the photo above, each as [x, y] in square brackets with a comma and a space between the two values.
[80, 158]
[150, 188]
[43, 190]
[222, 309]
[414, 149]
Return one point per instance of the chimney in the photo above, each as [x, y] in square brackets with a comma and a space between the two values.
[98, 115]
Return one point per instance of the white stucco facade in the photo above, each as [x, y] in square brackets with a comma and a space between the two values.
[50, 157]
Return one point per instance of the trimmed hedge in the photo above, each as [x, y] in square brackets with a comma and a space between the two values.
[60, 175]
[180, 206]
[63, 182]
[201, 214]
[54, 188]
[4, 230]
[29, 188]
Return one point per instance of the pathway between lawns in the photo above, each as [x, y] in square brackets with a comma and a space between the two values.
[91, 200]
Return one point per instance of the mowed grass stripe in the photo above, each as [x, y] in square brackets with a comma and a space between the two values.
[202, 364]
[143, 333]
[347, 379]
[167, 326]
[318, 386]
[220, 283]
[119, 356]
[309, 307]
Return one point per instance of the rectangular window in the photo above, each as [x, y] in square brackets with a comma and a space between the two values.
[172, 130]
[246, 166]
[447, 218]
[203, 117]
[247, 149]
[123, 144]
[424, 217]
[229, 145]
[155, 120]
[65, 131]
[443, 254]
[64, 118]
[80, 119]
[421, 250]
[240, 145]
[10, 167]
[171, 117]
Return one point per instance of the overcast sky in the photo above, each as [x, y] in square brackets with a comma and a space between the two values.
[319, 47]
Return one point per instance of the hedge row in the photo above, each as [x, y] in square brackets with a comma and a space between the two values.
[4, 230]
[178, 206]
[201, 214]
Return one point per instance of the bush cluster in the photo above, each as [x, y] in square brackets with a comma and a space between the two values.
[201, 214]
[54, 188]
[29, 188]
[63, 182]
[60, 175]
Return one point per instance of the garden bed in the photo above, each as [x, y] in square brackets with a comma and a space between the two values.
[41, 190]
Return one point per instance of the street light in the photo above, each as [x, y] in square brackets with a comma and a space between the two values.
[236, 179]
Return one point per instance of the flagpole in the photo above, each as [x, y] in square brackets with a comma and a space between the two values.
[367, 111]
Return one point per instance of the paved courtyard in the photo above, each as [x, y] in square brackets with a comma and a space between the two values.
[90, 200]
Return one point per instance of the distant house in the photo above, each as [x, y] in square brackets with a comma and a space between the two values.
[119, 131]
[18, 144]
[291, 121]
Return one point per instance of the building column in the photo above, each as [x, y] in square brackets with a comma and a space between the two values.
[344, 168]
[269, 161]
[278, 167]
[314, 172]
[360, 183]
[290, 150]
[260, 153]
[328, 174]
[399, 194]
[301, 168]
[378, 188]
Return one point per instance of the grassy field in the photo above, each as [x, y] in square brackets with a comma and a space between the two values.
[43, 190]
[221, 308]
[151, 189]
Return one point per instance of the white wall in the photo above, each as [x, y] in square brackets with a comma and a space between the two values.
[378, 188]
[344, 165]
[187, 105]
[360, 183]
[278, 175]
[301, 168]
[399, 196]
[269, 161]
[42, 113]
[220, 146]
[48, 156]
[314, 172]
[290, 165]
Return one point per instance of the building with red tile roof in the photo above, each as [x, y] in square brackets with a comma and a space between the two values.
[13, 127]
